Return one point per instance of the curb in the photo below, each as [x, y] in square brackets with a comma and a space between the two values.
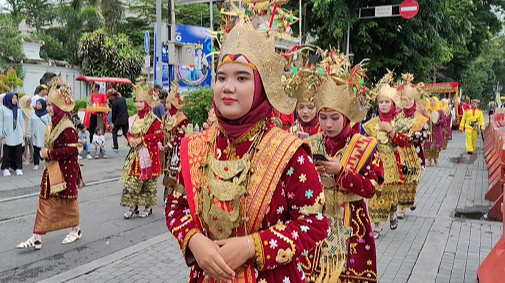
[101, 262]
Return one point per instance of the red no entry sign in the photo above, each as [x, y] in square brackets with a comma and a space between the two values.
[409, 9]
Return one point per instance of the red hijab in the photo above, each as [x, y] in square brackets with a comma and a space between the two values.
[410, 112]
[334, 144]
[260, 109]
[144, 111]
[58, 115]
[172, 110]
[390, 115]
[310, 126]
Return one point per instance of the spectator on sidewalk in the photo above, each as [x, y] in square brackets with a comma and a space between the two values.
[12, 129]
[119, 118]
[40, 92]
[159, 110]
[37, 129]
[100, 100]
[27, 111]
[99, 143]
[83, 138]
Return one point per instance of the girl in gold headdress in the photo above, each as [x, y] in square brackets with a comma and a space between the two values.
[250, 201]
[58, 207]
[435, 142]
[350, 171]
[142, 165]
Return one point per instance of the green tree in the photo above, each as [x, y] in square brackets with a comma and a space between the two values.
[197, 14]
[104, 55]
[11, 53]
[9, 81]
[197, 105]
[38, 13]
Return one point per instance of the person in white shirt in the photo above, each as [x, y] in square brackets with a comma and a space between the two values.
[37, 129]
[40, 92]
[12, 131]
[99, 142]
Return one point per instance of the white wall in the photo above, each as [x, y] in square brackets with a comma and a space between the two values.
[33, 73]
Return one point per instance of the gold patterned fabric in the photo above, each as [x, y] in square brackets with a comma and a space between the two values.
[55, 213]
[138, 192]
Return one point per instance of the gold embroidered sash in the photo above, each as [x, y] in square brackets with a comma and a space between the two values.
[53, 166]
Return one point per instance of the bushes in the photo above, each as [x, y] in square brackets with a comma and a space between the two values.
[197, 105]
[132, 110]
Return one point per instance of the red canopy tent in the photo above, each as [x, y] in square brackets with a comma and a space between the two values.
[106, 80]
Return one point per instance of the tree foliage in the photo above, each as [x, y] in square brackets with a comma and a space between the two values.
[104, 55]
[197, 105]
[9, 81]
[11, 53]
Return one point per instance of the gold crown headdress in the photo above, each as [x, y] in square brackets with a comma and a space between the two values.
[244, 45]
[174, 97]
[385, 89]
[144, 90]
[61, 95]
[409, 90]
[343, 91]
[304, 79]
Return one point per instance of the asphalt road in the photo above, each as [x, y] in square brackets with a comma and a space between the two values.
[104, 229]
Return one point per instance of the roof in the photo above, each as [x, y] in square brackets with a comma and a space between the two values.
[441, 87]
[103, 80]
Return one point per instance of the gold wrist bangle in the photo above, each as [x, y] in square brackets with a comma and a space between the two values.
[249, 246]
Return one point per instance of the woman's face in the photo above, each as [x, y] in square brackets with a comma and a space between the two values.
[306, 111]
[331, 122]
[234, 90]
[384, 105]
[38, 105]
[139, 104]
[168, 105]
[433, 103]
[408, 102]
[28, 102]
[15, 100]
[49, 109]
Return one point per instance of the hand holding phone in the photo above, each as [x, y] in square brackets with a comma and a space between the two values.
[319, 157]
[302, 135]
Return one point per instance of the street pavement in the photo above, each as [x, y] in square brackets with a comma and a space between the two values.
[430, 246]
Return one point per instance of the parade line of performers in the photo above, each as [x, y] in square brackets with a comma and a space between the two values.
[249, 201]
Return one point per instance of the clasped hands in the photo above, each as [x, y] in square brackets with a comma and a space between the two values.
[134, 142]
[331, 167]
[220, 259]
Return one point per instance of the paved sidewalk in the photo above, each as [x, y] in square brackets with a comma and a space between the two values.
[429, 246]
[92, 170]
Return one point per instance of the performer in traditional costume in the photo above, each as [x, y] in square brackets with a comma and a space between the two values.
[471, 123]
[414, 125]
[142, 165]
[448, 122]
[385, 129]
[250, 201]
[174, 129]
[352, 172]
[58, 207]
[435, 142]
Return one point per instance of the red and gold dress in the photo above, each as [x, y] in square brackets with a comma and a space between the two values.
[140, 185]
[58, 208]
[280, 203]
[346, 210]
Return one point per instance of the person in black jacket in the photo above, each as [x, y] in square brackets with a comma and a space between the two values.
[119, 117]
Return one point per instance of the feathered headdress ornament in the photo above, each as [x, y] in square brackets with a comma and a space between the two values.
[144, 90]
[61, 95]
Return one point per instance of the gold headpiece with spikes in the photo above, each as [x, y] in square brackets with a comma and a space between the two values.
[409, 90]
[304, 79]
[343, 91]
[174, 97]
[144, 90]
[244, 45]
[61, 95]
[383, 88]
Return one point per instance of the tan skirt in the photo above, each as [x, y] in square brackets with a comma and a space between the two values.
[55, 213]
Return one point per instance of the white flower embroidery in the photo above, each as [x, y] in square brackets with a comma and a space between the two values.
[273, 244]
[304, 228]
[280, 210]
[320, 216]
[286, 280]
[301, 160]
[294, 235]
[187, 211]
[302, 178]
[309, 220]
[171, 213]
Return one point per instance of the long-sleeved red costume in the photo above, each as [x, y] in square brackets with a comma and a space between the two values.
[284, 203]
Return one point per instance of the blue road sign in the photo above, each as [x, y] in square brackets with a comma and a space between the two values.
[146, 42]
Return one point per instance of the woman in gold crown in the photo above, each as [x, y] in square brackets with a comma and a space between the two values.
[416, 128]
[350, 171]
[174, 128]
[385, 129]
[142, 165]
[435, 142]
[249, 201]
[448, 122]
[58, 207]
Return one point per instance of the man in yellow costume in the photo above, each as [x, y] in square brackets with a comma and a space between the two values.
[472, 120]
